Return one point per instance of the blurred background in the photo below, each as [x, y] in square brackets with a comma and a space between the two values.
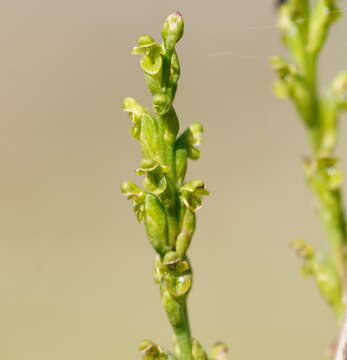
[75, 267]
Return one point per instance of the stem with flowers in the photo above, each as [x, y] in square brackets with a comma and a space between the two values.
[305, 26]
[167, 204]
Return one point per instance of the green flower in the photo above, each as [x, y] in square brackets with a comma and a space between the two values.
[155, 181]
[145, 128]
[176, 274]
[191, 194]
[152, 61]
[323, 173]
[135, 111]
[186, 146]
[134, 193]
[151, 351]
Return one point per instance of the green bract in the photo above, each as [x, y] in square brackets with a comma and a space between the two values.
[167, 204]
[305, 25]
[198, 351]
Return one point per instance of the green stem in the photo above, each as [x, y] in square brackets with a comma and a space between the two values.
[331, 205]
[168, 126]
[176, 310]
[333, 217]
[313, 120]
[183, 336]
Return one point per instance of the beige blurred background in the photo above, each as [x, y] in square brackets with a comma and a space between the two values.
[75, 267]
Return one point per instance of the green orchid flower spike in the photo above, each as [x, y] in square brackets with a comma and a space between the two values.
[305, 26]
[167, 204]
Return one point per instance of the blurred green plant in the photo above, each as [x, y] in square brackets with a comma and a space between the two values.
[167, 203]
[305, 26]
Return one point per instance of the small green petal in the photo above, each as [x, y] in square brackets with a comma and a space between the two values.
[178, 285]
[134, 193]
[152, 62]
[155, 183]
[146, 166]
[129, 189]
[193, 185]
[144, 43]
[131, 106]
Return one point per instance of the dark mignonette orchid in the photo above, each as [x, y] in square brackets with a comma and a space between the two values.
[167, 203]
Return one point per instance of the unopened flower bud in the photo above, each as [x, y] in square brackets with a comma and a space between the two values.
[173, 30]
[219, 351]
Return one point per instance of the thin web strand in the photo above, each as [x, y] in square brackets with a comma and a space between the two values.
[257, 28]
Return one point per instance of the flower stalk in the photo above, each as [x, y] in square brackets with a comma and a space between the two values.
[167, 203]
[304, 26]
